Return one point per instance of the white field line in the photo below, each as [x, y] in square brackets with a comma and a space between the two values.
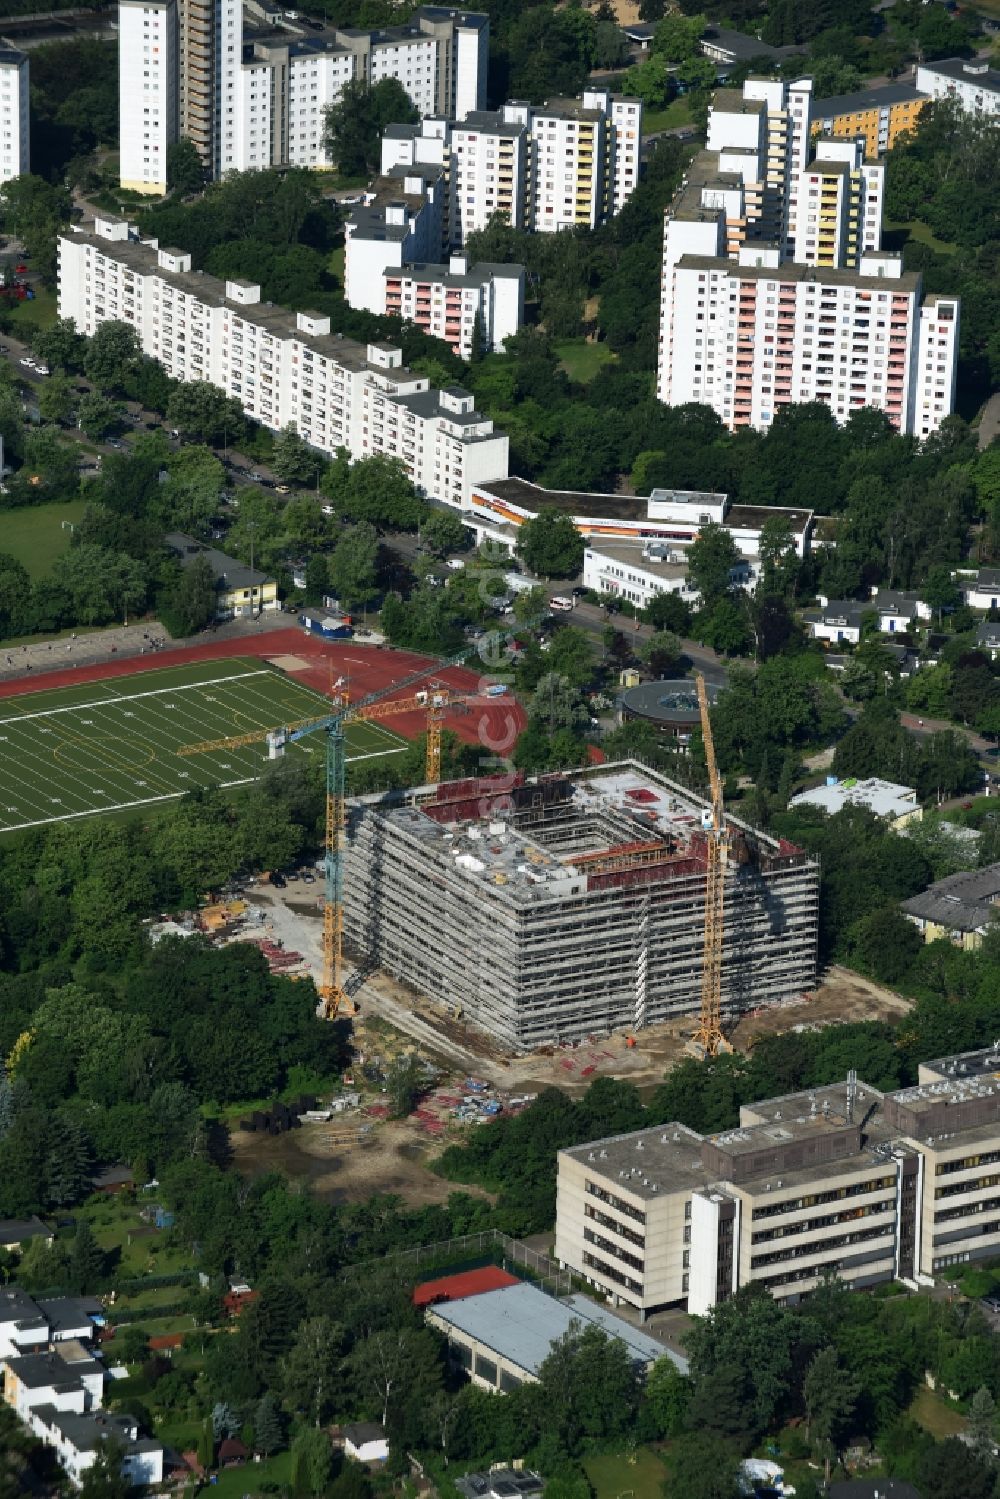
[133, 698]
[149, 801]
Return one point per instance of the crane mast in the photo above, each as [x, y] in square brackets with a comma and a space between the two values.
[708, 1038]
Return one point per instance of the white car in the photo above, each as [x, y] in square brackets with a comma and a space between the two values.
[42, 369]
[29, 364]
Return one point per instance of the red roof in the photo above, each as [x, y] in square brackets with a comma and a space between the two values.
[468, 1283]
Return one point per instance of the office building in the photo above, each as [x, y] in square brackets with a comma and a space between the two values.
[841, 1180]
[147, 92]
[775, 289]
[285, 369]
[971, 83]
[569, 905]
[880, 115]
[15, 147]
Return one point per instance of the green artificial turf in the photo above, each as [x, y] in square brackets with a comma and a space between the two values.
[112, 745]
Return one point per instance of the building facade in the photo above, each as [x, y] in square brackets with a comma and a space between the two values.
[840, 1180]
[880, 115]
[774, 287]
[458, 302]
[147, 91]
[284, 369]
[972, 83]
[185, 70]
[15, 142]
[571, 904]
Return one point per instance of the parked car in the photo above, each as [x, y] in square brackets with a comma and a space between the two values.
[42, 369]
[283, 488]
[29, 364]
[278, 879]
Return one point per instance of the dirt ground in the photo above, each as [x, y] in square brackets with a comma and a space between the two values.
[341, 1165]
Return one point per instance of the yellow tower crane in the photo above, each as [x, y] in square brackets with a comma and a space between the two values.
[434, 701]
[708, 1039]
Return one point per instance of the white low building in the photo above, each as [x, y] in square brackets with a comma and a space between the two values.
[897, 804]
[674, 516]
[898, 611]
[972, 83]
[980, 590]
[284, 369]
[638, 574]
[15, 141]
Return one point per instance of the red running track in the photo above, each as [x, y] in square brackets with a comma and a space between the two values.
[495, 724]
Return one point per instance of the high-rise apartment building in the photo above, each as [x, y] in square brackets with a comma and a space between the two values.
[285, 369]
[774, 286]
[881, 115]
[262, 102]
[15, 151]
[970, 82]
[560, 165]
[147, 92]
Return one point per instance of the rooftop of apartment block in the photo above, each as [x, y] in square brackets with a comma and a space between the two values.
[878, 97]
[733, 101]
[567, 109]
[490, 122]
[142, 258]
[966, 70]
[901, 285]
[477, 275]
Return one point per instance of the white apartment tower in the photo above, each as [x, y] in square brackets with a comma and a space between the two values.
[15, 153]
[774, 287]
[285, 369]
[147, 91]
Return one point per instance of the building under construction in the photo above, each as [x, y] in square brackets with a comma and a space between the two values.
[561, 906]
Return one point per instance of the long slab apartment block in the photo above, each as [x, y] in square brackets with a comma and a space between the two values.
[285, 369]
[554, 908]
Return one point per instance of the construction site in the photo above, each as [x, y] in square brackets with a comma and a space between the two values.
[556, 908]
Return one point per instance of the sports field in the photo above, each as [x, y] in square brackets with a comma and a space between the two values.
[110, 745]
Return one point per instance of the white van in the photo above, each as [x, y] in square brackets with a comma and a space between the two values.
[561, 603]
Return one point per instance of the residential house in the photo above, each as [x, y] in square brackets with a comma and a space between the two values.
[241, 591]
[837, 620]
[897, 611]
[366, 1442]
[15, 1233]
[501, 1483]
[981, 589]
[988, 638]
[960, 907]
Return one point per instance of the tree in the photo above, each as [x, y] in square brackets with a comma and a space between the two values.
[444, 532]
[268, 1426]
[556, 704]
[60, 346]
[312, 1462]
[704, 1468]
[940, 590]
[310, 1368]
[112, 354]
[97, 416]
[190, 604]
[662, 653]
[405, 1081]
[56, 399]
[205, 413]
[589, 1387]
[105, 1478]
[375, 489]
[885, 944]
[86, 1261]
[293, 460]
[711, 558]
[551, 545]
[677, 37]
[391, 1365]
[778, 558]
[190, 497]
[667, 1395]
[950, 1470]
[830, 1393]
[351, 569]
[185, 170]
[356, 122]
[982, 1420]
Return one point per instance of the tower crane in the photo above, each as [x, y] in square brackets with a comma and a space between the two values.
[335, 998]
[708, 1039]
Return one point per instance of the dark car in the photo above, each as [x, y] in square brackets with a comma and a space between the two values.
[279, 880]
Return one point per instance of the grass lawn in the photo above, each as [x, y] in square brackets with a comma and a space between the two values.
[43, 310]
[133, 741]
[935, 1415]
[337, 258]
[677, 112]
[234, 1483]
[614, 1475]
[35, 534]
[898, 232]
[582, 360]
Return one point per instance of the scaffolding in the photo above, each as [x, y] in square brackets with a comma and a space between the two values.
[572, 905]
